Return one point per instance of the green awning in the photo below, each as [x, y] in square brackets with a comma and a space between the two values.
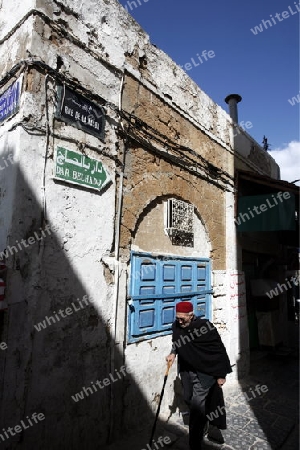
[268, 212]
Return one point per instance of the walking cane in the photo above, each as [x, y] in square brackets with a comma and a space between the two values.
[160, 400]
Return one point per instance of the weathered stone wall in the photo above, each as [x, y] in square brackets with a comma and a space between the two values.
[42, 369]
[150, 178]
[158, 114]
[99, 49]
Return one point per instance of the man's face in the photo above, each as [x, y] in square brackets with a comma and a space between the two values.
[184, 319]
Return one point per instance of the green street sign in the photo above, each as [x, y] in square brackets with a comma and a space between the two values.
[75, 168]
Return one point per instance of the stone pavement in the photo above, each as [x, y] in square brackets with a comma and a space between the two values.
[268, 421]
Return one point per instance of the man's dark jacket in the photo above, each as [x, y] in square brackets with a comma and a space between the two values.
[201, 350]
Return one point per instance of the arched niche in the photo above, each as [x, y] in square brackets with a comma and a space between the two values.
[150, 235]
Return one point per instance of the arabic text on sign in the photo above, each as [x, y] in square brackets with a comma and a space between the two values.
[80, 169]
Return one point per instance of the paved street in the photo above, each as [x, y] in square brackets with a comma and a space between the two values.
[268, 421]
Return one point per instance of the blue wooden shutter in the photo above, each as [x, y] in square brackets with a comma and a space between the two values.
[157, 284]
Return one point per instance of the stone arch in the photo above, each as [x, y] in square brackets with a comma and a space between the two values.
[149, 235]
[147, 188]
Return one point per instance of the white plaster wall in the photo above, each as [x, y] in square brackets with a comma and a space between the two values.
[146, 362]
[229, 301]
[84, 224]
[11, 12]
[259, 160]
[231, 296]
[9, 144]
[51, 365]
[110, 33]
[153, 239]
[16, 48]
[221, 310]
[77, 214]
[50, 275]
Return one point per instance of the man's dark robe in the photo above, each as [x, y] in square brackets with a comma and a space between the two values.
[201, 350]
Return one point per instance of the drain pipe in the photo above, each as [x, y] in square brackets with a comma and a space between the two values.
[117, 271]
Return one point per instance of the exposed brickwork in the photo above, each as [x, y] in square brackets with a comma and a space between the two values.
[150, 177]
[159, 115]
[146, 181]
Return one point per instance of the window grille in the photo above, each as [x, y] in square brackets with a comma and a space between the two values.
[180, 222]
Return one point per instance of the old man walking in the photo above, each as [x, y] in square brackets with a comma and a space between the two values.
[203, 366]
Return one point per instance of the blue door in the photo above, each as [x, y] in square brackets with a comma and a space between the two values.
[157, 284]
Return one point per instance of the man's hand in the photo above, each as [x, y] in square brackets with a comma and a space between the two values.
[170, 358]
[221, 381]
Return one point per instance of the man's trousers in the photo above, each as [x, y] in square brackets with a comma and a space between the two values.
[196, 388]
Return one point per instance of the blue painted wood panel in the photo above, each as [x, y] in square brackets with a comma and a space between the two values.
[157, 283]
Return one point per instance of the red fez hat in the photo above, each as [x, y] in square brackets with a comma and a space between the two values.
[184, 307]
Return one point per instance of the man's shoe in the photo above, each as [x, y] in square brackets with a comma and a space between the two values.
[215, 434]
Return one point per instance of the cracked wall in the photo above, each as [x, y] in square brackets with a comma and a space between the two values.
[179, 144]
